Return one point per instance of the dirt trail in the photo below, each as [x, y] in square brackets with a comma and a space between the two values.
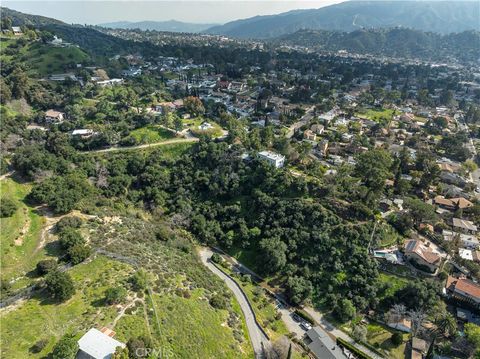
[25, 228]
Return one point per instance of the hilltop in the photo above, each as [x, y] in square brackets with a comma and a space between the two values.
[170, 25]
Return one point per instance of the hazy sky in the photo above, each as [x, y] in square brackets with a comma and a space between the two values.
[199, 11]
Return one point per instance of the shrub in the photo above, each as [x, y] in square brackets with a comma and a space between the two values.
[78, 253]
[115, 295]
[45, 266]
[216, 258]
[303, 314]
[139, 281]
[7, 207]
[39, 346]
[218, 301]
[59, 285]
[70, 237]
[68, 222]
[397, 338]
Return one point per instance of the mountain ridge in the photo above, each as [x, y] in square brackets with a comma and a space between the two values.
[434, 16]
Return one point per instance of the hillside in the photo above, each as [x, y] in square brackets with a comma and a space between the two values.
[400, 43]
[441, 17]
[20, 19]
[171, 25]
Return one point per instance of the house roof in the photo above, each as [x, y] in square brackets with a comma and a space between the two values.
[440, 200]
[323, 346]
[464, 224]
[463, 285]
[98, 345]
[419, 344]
[417, 247]
[462, 202]
[53, 113]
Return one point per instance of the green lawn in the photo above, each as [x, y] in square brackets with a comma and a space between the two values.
[379, 336]
[39, 319]
[194, 123]
[383, 115]
[151, 134]
[20, 233]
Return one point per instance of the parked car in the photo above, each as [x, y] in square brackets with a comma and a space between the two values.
[305, 326]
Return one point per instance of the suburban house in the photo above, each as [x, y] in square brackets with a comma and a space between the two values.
[318, 129]
[463, 290]
[309, 135]
[421, 255]
[52, 116]
[98, 344]
[273, 158]
[452, 203]
[465, 226]
[17, 31]
[322, 346]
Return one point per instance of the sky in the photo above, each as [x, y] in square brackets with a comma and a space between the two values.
[198, 11]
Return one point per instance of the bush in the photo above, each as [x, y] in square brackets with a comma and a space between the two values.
[78, 253]
[68, 222]
[345, 310]
[70, 237]
[7, 207]
[59, 285]
[115, 295]
[46, 266]
[66, 348]
[216, 258]
[39, 346]
[139, 281]
[397, 338]
[359, 354]
[218, 301]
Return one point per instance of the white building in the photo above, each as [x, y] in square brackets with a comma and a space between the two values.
[273, 158]
[97, 345]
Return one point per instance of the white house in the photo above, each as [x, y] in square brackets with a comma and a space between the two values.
[273, 158]
[96, 344]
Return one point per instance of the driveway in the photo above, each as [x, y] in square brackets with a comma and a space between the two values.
[257, 338]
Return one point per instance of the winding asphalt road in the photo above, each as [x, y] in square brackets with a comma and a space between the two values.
[257, 338]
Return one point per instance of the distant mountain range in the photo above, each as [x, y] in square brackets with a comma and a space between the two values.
[171, 25]
[435, 16]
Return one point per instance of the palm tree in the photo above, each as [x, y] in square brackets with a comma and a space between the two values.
[446, 324]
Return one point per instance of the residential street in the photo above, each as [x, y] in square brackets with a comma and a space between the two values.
[257, 338]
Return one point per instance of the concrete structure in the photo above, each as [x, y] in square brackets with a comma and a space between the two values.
[273, 158]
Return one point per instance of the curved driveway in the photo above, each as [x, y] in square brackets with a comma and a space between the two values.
[257, 338]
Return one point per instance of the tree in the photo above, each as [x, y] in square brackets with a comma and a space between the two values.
[274, 254]
[70, 237]
[46, 266]
[7, 207]
[139, 281]
[218, 301]
[359, 333]
[78, 253]
[115, 295]
[420, 211]
[194, 106]
[178, 124]
[446, 324]
[345, 310]
[121, 353]
[298, 289]
[472, 333]
[373, 168]
[59, 285]
[397, 338]
[138, 347]
[66, 348]
[68, 222]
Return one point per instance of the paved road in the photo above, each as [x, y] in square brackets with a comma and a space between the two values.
[257, 338]
[317, 316]
[303, 121]
[148, 145]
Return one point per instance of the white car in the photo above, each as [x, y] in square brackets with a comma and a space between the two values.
[305, 326]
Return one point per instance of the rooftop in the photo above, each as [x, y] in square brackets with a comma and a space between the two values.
[98, 345]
